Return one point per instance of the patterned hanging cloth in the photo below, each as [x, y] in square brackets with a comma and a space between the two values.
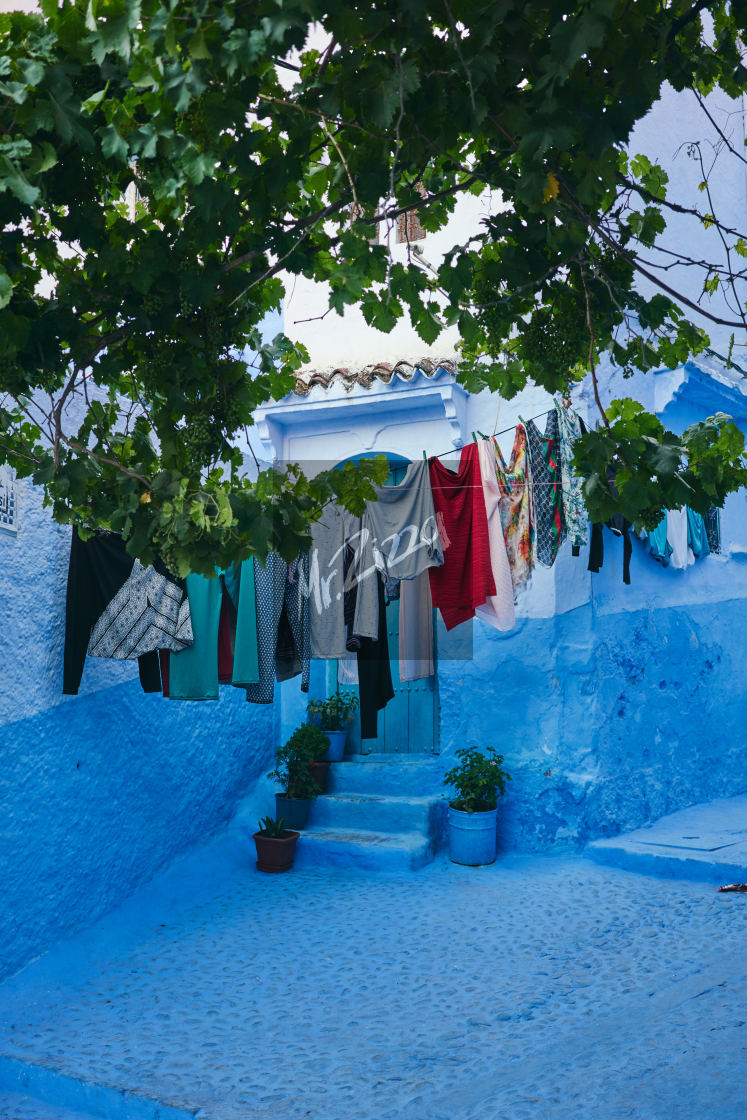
[546, 491]
[712, 521]
[515, 507]
[574, 510]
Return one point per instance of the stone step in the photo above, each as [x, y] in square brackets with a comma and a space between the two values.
[363, 850]
[410, 775]
[41, 1092]
[377, 813]
[17, 1106]
[706, 842]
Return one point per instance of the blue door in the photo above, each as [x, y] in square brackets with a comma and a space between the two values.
[408, 724]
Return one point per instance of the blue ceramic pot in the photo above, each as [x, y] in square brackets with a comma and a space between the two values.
[337, 740]
[293, 810]
[472, 837]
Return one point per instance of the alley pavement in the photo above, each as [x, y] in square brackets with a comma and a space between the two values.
[534, 989]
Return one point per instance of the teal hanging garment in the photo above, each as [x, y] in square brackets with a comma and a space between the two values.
[697, 537]
[239, 581]
[193, 673]
[659, 546]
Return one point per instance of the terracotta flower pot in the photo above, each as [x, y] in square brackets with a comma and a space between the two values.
[276, 853]
[320, 772]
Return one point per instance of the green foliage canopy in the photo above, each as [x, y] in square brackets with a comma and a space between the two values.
[123, 324]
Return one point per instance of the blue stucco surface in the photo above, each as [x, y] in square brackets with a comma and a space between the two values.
[535, 989]
[605, 721]
[101, 790]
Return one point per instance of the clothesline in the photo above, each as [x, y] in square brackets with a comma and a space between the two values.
[503, 432]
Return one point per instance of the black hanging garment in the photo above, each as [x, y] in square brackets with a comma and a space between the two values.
[621, 528]
[374, 673]
[117, 608]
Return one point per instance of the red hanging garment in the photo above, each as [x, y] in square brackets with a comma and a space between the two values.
[465, 580]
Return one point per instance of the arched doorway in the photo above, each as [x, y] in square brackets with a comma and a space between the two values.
[409, 723]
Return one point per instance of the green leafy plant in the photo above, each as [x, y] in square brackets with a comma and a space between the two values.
[122, 392]
[307, 744]
[479, 780]
[271, 828]
[334, 713]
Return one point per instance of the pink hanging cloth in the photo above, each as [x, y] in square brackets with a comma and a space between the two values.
[497, 610]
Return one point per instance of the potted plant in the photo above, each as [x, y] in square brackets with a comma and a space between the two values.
[334, 715]
[276, 845]
[479, 780]
[293, 771]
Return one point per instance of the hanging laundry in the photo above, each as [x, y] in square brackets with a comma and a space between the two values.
[546, 492]
[278, 585]
[326, 586]
[712, 521]
[466, 579]
[193, 674]
[497, 610]
[621, 528]
[117, 608]
[697, 538]
[239, 583]
[375, 686]
[658, 545]
[224, 622]
[518, 531]
[574, 510]
[347, 669]
[682, 554]
[402, 525]
[416, 639]
[226, 637]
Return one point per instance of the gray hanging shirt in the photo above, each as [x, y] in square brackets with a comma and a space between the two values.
[326, 583]
[402, 526]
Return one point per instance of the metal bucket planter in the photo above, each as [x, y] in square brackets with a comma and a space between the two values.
[293, 810]
[472, 837]
[276, 853]
[337, 740]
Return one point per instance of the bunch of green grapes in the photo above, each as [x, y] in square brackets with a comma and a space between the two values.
[152, 302]
[168, 556]
[195, 125]
[555, 341]
[202, 437]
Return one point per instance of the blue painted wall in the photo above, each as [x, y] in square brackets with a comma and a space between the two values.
[98, 791]
[605, 720]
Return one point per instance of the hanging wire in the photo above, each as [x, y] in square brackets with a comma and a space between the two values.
[503, 432]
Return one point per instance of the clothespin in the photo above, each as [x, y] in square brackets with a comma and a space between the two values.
[481, 434]
[425, 456]
[474, 437]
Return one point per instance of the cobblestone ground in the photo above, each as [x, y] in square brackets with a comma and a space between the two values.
[546, 989]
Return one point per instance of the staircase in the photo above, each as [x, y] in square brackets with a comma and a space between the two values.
[380, 813]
